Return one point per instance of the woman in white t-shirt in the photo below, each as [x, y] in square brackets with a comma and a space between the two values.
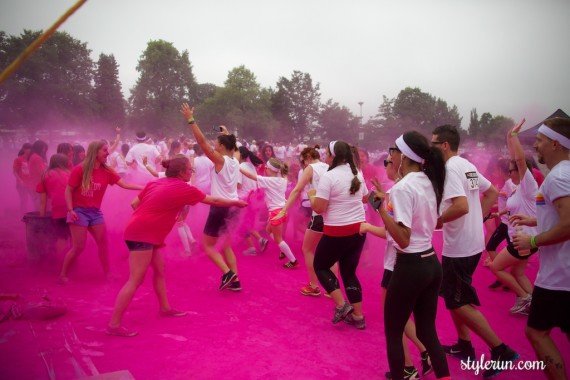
[521, 201]
[416, 279]
[274, 186]
[310, 178]
[225, 177]
[339, 198]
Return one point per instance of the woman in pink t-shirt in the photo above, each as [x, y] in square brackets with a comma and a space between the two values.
[83, 196]
[21, 171]
[52, 185]
[156, 208]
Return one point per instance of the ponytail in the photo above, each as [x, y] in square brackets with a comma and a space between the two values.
[343, 155]
[434, 167]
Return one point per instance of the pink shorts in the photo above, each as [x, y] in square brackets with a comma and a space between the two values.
[279, 221]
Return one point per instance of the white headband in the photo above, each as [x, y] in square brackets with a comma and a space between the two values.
[407, 151]
[271, 167]
[552, 134]
[331, 147]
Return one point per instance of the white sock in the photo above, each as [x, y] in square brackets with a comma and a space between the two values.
[184, 238]
[271, 236]
[189, 233]
[287, 251]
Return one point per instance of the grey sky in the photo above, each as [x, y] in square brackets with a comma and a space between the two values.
[505, 57]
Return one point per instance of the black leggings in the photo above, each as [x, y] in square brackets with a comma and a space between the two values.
[501, 233]
[346, 250]
[414, 287]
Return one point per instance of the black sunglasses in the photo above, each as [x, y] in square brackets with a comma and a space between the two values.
[391, 150]
[386, 163]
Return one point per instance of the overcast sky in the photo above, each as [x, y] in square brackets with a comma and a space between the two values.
[508, 57]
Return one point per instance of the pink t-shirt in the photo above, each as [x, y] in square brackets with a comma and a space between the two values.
[37, 167]
[54, 184]
[93, 197]
[21, 169]
[160, 202]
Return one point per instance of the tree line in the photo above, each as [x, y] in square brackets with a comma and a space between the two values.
[61, 87]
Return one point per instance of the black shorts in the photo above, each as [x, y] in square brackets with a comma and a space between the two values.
[139, 245]
[501, 233]
[386, 278]
[514, 253]
[61, 229]
[316, 224]
[456, 287]
[549, 309]
[219, 219]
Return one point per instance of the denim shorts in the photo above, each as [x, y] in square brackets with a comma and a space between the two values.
[88, 216]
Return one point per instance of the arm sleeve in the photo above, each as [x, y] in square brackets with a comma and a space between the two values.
[402, 202]
[324, 189]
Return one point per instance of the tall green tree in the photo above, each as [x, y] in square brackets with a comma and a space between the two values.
[474, 124]
[52, 89]
[107, 95]
[338, 123]
[415, 109]
[165, 80]
[242, 105]
[296, 105]
[494, 128]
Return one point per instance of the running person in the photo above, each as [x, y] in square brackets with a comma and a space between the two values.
[156, 209]
[339, 198]
[520, 201]
[551, 294]
[83, 197]
[225, 177]
[274, 186]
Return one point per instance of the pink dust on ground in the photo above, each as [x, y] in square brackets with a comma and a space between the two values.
[266, 331]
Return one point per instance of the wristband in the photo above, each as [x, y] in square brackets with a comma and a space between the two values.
[191, 120]
[533, 242]
[513, 134]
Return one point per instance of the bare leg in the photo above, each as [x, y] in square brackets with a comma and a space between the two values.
[473, 319]
[518, 271]
[504, 260]
[310, 242]
[159, 280]
[99, 233]
[78, 238]
[547, 352]
[209, 243]
[138, 264]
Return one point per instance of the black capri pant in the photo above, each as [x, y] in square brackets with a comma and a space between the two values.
[346, 250]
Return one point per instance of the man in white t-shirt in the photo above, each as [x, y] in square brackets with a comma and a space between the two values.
[551, 296]
[463, 243]
[134, 158]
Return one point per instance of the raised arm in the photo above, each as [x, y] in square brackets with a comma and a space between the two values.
[116, 141]
[201, 140]
[148, 167]
[249, 175]
[516, 149]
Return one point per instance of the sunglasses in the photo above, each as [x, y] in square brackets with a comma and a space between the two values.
[387, 162]
[391, 150]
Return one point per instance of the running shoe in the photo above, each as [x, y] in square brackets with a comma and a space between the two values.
[410, 373]
[235, 286]
[173, 313]
[461, 351]
[251, 251]
[342, 312]
[426, 363]
[358, 323]
[120, 331]
[227, 279]
[500, 360]
[281, 255]
[309, 290]
[263, 244]
[291, 264]
[521, 304]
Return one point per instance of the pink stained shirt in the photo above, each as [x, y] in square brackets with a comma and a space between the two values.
[160, 202]
[21, 169]
[54, 184]
[37, 167]
[93, 197]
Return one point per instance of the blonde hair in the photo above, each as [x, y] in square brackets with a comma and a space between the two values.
[278, 164]
[89, 163]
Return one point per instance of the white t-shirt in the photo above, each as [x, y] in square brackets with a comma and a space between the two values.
[202, 177]
[247, 184]
[554, 271]
[319, 168]
[463, 237]
[224, 183]
[140, 150]
[504, 194]
[415, 206]
[523, 201]
[274, 193]
[343, 208]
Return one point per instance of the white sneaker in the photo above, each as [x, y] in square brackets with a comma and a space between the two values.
[251, 251]
[521, 304]
[263, 244]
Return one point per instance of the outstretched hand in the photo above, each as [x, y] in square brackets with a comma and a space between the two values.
[378, 193]
[187, 111]
[516, 129]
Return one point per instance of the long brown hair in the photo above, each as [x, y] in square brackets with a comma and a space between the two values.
[89, 163]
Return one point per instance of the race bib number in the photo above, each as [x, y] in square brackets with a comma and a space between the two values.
[472, 180]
